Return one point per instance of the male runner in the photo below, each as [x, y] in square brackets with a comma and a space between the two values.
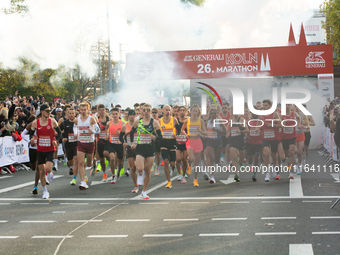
[181, 148]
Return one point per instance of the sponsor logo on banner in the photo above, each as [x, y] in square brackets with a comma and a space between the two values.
[1, 149]
[315, 60]
[20, 150]
[9, 151]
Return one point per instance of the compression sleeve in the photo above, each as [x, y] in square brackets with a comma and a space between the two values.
[59, 132]
[159, 135]
[23, 135]
[178, 128]
[121, 137]
[132, 133]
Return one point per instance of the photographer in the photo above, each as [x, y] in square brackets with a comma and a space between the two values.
[6, 126]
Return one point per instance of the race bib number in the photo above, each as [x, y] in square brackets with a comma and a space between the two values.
[145, 138]
[288, 130]
[44, 141]
[194, 130]
[211, 134]
[234, 131]
[115, 139]
[102, 135]
[71, 138]
[35, 138]
[254, 132]
[168, 133]
[181, 139]
[269, 134]
[85, 138]
[134, 139]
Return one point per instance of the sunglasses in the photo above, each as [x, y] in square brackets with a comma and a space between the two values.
[154, 112]
[47, 110]
[146, 110]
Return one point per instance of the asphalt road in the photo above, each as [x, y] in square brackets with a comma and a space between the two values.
[277, 217]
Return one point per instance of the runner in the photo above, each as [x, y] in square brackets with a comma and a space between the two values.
[57, 118]
[145, 151]
[181, 148]
[195, 126]
[86, 128]
[308, 136]
[115, 146]
[46, 128]
[157, 145]
[225, 157]
[168, 144]
[70, 143]
[300, 137]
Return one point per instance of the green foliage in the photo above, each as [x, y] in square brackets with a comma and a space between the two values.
[17, 6]
[331, 9]
[199, 3]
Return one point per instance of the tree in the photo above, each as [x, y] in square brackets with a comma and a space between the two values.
[199, 3]
[331, 9]
[17, 6]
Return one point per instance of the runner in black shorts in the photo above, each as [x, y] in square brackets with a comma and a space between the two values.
[157, 145]
[181, 147]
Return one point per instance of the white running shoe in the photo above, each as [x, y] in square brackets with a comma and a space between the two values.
[83, 186]
[140, 179]
[88, 168]
[267, 179]
[274, 174]
[50, 176]
[46, 195]
[144, 195]
[179, 177]
[183, 181]
[212, 180]
[222, 159]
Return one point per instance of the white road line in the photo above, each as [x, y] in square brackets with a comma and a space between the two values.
[23, 185]
[154, 203]
[4, 177]
[324, 201]
[229, 218]
[180, 219]
[278, 218]
[57, 237]
[221, 234]
[236, 202]
[230, 180]
[35, 203]
[5, 203]
[326, 233]
[8, 237]
[37, 221]
[114, 203]
[163, 235]
[275, 233]
[74, 203]
[301, 249]
[133, 220]
[59, 212]
[3, 221]
[325, 217]
[295, 187]
[186, 203]
[107, 236]
[84, 221]
[274, 202]
[139, 197]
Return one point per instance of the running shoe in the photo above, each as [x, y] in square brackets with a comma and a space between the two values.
[222, 160]
[83, 186]
[34, 191]
[154, 166]
[144, 195]
[196, 183]
[278, 177]
[46, 195]
[106, 163]
[127, 173]
[254, 178]
[169, 185]
[113, 180]
[274, 174]
[179, 178]
[206, 176]
[157, 172]
[212, 180]
[73, 182]
[86, 178]
[88, 168]
[93, 171]
[135, 190]
[236, 178]
[140, 179]
[50, 177]
[183, 181]
[122, 172]
[99, 167]
[290, 176]
[267, 179]
[54, 168]
[171, 173]
[104, 177]
[298, 170]
[189, 170]
[70, 172]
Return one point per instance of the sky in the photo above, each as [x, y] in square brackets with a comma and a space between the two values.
[61, 32]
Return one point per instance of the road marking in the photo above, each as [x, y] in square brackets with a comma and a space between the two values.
[335, 177]
[84, 221]
[107, 236]
[274, 202]
[230, 180]
[295, 187]
[52, 237]
[185, 203]
[278, 218]
[236, 202]
[114, 203]
[180, 220]
[8, 237]
[23, 185]
[326, 233]
[275, 233]
[5, 203]
[301, 249]
[132, 220]
[139, 197]
[154, 203]
[229, 218]
[74, 203]
[35, 203]
[93, 183]
[325, 217]
[37, 221]
[59, 212]
[3, 221]
[4, 177]
[324, 201]
[163, 235]
[221, 234]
